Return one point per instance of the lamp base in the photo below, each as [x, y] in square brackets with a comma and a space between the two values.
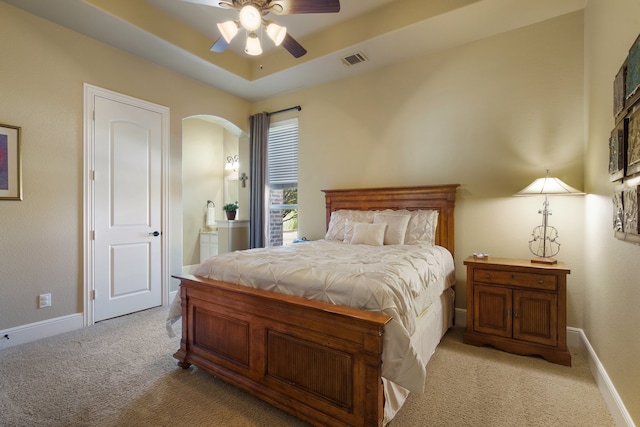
[544, 260]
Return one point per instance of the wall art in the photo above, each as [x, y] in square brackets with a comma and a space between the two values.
[618, 212]
[618, 150]
[633, 143]
[10, 163]
[630, 200]
[619, 90]
[633, 70]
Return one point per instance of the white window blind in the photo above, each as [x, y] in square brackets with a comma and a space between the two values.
[282, 152]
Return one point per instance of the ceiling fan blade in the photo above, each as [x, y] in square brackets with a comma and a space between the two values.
[293, 46]
[214, 3]
[290, 7]
[220, 45]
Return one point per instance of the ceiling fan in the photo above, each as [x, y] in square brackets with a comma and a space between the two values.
[251, 17]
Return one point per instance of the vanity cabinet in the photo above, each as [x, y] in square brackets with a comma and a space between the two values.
[518, 306]
[208, 244]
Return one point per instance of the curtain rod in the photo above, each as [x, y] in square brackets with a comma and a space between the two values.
[297, 107]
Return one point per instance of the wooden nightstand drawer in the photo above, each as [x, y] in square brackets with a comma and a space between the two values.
[510, 278]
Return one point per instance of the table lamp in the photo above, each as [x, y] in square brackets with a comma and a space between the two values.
[545, 243]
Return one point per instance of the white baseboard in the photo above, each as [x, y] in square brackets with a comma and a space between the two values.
[46, 328]
[577, 340]
[616, 407]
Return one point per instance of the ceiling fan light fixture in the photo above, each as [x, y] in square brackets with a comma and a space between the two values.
[276, 32]
[253, 45]
[228, 30]
[250, 17]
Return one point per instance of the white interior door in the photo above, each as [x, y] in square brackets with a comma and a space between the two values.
[127, 207]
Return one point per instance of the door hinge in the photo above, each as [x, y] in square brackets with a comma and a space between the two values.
[93, 175]
[93, 235]
[93, 294]
[94, 115]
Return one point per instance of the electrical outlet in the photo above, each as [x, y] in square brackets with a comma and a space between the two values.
[44, 300]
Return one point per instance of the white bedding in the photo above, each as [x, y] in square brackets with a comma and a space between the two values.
[398, 280]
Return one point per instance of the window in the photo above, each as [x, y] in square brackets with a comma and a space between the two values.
[282, 182]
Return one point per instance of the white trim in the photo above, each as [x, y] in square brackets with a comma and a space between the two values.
[88, 203]
[90, 92]
[621, 416]
[43, 329]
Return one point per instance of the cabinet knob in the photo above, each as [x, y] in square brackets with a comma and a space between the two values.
[487, 276]
[513, 276]
[540, 281]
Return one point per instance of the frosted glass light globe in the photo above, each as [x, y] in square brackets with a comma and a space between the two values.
[250, 18]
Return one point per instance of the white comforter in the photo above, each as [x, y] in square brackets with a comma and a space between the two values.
[400, 281]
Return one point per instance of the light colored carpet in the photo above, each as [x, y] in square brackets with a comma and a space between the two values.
[121, 373]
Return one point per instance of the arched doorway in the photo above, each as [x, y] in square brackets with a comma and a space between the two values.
[207, 143]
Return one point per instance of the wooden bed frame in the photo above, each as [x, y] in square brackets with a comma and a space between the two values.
[320, 362]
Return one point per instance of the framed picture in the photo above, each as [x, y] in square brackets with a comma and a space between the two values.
[630, 201]
[633, 143]
[618, 150]
[633, 70]
[618, 212]
[619, 91]
[10, 163]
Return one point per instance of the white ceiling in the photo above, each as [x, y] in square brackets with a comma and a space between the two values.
[472, 20]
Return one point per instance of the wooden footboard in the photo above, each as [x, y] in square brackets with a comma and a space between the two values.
[320, 362]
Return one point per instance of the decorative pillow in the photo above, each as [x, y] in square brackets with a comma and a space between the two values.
[368, 234]
[348, 229]
[396, 226]
[422, 227]
[337, 223]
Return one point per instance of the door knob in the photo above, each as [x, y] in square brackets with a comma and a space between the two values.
[155, 234]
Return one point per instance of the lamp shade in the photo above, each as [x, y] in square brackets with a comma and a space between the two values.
[548, 185]
[228, 30]
[253, 45]
[276, 32]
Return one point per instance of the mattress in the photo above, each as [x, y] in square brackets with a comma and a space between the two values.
[401, 281]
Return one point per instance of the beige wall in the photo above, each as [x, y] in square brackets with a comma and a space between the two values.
[43, 70]
[489, 115]
[612, 270]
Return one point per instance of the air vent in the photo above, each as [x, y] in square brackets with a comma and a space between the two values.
[354, 59]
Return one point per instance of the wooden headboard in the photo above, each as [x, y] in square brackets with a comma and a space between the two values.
[438, 197]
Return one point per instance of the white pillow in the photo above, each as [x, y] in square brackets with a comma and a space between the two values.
[368, 234]
[396, 226]
[348, 228]
[422, 227]
[337, 223]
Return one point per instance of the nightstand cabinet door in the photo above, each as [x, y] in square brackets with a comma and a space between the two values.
[492, 310]
[535, 317]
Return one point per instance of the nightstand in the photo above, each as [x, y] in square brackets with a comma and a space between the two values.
[518, 306]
